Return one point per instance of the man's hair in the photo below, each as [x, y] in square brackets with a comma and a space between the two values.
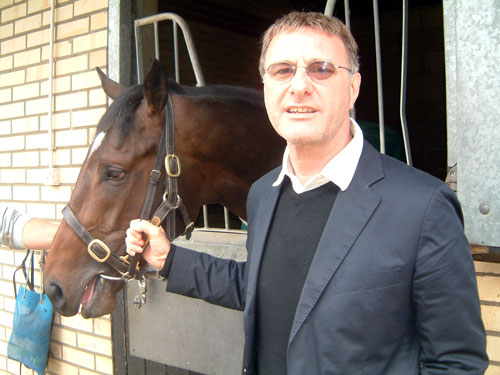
[316, 21]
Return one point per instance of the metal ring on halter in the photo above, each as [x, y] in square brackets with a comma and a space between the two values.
[94, 255]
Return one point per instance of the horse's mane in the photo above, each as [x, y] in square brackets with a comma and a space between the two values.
[122, 111]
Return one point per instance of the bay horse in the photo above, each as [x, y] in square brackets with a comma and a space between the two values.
[224, 142]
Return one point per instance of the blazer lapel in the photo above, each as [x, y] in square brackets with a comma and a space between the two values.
[351, 211]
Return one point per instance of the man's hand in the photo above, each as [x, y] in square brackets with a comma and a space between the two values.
[158, 247]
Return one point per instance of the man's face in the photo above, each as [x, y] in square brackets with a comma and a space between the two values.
[305, 111]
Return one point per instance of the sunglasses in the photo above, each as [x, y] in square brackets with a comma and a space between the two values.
[317, 70]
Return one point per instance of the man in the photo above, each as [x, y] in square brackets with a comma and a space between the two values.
[357, 263]
[21, 231]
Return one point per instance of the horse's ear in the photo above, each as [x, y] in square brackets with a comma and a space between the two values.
[155, 88]
[110, 87]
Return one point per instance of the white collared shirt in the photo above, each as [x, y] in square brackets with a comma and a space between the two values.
[340, 170]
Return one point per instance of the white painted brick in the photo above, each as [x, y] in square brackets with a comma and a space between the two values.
[56, 193]
[69, 175]
[78, 357]
[5, 95]
[29, 57]
[60, 85]
[37, 106]
[36, 176]
[6, 317]
[37, 141]
[71, 101]
[57, 367]
[7, 30]
[71, 64]
[104, 365]
[98, 97]
[37, 73]
[30, 90]
[61, 157]
[26, 193]
[5, 193]
[25, 124]
[12, 176]
[5, 160]
[73, 28]
[37, 38]
[99, 21]
[90, 41]
[76, 137]
[87, 117]
[6, 256]
[94, 344]
[12, 143]
[37, 5]
[6, 62]
[64, 335]
[85, 80]
[26, 159]
[11, 110]
[55, 350]
[5, 127]
[45, 210]
[12, 13]
[77, 322]
[13, 45]
[28, 23]
[102, 327]
[16, 77]
[78, 155]
[88, 6]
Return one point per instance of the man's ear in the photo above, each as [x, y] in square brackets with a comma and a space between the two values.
[354, 89]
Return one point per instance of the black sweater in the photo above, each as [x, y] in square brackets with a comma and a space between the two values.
[298, 223]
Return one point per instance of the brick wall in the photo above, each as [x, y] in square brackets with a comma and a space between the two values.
[78, 346]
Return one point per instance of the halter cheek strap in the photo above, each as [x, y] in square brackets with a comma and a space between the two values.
[128, 267]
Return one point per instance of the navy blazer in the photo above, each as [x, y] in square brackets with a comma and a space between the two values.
[391, 289]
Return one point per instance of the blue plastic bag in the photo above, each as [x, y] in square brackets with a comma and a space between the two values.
[30, 339]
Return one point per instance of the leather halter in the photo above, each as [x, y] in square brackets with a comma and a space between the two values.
[99, 251]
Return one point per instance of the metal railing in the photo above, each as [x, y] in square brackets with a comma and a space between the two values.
[330, 5]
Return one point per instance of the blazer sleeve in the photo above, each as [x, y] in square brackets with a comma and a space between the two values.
[215, 280]
[445, 295]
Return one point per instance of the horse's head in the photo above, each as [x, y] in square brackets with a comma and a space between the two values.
[108, 194]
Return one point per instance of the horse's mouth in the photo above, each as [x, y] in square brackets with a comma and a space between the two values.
[89, 292]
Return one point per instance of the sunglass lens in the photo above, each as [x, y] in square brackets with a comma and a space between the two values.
[320, 70]
[281, 71]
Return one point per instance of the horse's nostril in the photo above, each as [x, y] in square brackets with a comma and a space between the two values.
[55, 293]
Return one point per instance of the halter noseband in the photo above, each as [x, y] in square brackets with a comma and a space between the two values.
[128, 267]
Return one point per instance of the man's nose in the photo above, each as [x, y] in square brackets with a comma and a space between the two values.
[300, 83]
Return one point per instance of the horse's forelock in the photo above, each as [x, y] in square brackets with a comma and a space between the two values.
[121, 112]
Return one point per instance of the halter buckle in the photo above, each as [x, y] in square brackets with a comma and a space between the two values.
[175, 158]
[103, 246]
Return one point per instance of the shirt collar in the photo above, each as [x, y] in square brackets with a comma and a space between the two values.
[340, 170]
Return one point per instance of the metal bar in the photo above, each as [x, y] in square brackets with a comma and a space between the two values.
[380, 91]
[330, 5]
[226, 218]
[138, 54]
[347, 13]
[205, 216]
[157, 42]
[176, 53]
[200, 80]
[402, 101]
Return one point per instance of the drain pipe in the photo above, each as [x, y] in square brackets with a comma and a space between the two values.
[53, 177]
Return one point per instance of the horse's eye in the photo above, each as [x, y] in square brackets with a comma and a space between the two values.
[115, 174]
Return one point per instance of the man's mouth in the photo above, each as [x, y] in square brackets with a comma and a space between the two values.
[300, 110]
